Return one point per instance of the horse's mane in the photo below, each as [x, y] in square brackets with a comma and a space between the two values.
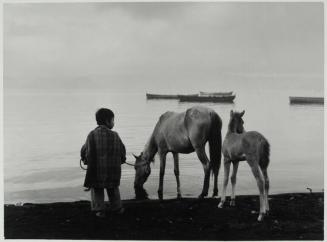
[231, 125]
[150, 148]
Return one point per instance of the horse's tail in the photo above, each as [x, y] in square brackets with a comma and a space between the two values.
[215, 142]
[264, 154]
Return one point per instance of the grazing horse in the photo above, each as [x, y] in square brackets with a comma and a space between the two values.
[184, 132]
[252, 147]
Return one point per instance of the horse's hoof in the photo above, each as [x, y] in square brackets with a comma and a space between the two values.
[160, 196]
[260, 218]
[215, 192]
[200, 196]
[179, 196]
[142, 198]
[232, 203]
[221, 205]
[203, 195]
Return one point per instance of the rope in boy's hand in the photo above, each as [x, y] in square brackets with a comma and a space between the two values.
[85, 169]
[80, 164]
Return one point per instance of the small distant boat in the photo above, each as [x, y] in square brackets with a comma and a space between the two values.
[167, 96]
[161, 96]
[216, 93]
[306, 100]
[199, 98]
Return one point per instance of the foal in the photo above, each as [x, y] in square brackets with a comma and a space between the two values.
[252, 147]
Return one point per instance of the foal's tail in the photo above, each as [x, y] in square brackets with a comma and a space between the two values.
[264, 154]
[215, 142]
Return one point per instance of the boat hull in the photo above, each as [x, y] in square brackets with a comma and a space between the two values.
[161, 96]
[220, 99]
[216, 93]
[306, 100]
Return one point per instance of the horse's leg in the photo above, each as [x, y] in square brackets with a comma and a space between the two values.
[162, 173]
[176, 171]
[206, 167]
[253, 163]
[215, 182]
[266, 178]
[233, 181]
[227, 163]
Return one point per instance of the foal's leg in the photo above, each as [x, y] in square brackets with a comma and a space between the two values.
[206, 167]
[266, 178]
[253, 163]
[233, 181]
[176, 171]
[227, 163]
[162, 173]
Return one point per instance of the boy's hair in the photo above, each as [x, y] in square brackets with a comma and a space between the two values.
[103, 114]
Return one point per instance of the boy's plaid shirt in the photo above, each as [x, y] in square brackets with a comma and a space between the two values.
[106, 152]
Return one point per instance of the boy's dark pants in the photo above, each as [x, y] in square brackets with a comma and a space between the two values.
[97, 199]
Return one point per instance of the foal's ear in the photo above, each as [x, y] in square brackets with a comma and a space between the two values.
[231, 113]
[136, 157]
[242, 113]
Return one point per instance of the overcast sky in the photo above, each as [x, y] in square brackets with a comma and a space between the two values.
[65, 45]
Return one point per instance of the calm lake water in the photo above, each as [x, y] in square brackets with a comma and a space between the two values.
[44, 130]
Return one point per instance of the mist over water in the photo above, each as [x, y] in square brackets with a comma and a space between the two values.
[44, 130]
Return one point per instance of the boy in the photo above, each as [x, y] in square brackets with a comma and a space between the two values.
[105, 152]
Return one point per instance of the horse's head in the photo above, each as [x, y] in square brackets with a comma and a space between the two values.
[142, 172]
[236, 122]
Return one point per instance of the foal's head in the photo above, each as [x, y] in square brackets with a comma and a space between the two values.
[142, 172]
[236, 122]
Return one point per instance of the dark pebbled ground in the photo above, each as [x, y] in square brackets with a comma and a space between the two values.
[293, 217]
